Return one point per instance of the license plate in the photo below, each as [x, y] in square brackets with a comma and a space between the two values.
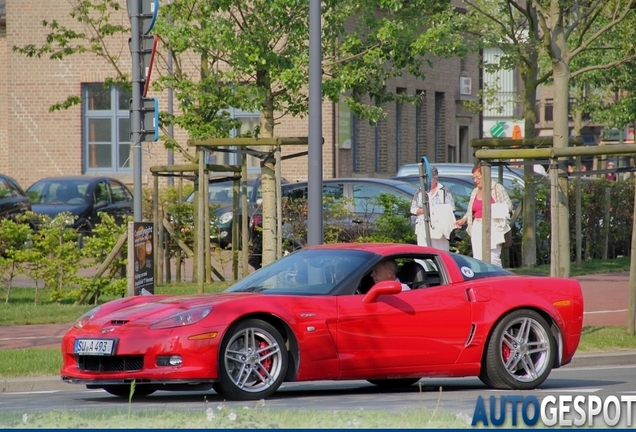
[94, 346]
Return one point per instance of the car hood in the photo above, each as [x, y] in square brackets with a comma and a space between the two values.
[156, 308]
[53, 210]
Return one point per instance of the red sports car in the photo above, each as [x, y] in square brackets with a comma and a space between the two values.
[318, 315]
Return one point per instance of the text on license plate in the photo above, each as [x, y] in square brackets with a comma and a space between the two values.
[94, 346]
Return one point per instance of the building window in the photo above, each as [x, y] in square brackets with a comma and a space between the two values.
[548, 113]
[420, 125]
[400, 133]
[106, 128]
[249, 121]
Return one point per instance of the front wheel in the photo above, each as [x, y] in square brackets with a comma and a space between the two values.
[252, 361]
[520, 352]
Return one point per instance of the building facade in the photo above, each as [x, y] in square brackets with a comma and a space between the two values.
[94, 137]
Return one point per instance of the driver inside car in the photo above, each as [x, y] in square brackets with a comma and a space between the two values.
[387, 270]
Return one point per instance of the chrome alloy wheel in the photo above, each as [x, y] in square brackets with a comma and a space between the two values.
[253, 359]
[525, 349]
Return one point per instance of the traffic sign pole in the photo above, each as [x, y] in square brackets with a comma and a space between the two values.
[143, 112]
[134, 10]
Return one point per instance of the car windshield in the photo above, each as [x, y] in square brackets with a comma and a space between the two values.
[472, 269]
[305, 272]
[223, 192]
[69, 192]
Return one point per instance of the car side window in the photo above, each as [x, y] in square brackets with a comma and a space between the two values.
[365, 198]
[332, 194]
[5, 190]
[119, 193]
[101, 192]
[15, 190]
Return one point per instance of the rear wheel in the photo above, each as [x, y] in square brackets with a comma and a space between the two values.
[252, 361]
[394, 383]
[520, 352]
[83, 232]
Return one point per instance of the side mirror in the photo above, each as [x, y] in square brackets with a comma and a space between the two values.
[382, 288]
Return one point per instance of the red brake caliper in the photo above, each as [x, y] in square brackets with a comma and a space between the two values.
[505, 352]
[267, 363]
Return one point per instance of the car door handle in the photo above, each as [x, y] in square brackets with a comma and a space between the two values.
[357, 221]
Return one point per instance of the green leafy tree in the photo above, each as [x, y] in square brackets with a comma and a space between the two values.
[571, 39]
[253, 56]
[55, 244]
[14, 240]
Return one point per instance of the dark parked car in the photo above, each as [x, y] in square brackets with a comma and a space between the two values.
[84, 197]
[358, 198]
[221, 195]
[13, 200]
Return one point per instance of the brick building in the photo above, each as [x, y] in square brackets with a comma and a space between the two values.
[93, 138]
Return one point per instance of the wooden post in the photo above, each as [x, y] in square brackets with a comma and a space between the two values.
[486, 191]
[606, 223]
[244, 217]
[279, 207]
[631, 303]
[236, 205]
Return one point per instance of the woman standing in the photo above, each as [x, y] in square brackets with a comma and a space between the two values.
[442, 208]
[500, 217]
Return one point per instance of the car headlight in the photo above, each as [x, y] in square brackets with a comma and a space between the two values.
[86, 318]
[226, 217]
[184, 318]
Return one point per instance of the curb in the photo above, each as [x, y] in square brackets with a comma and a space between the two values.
[616, 358]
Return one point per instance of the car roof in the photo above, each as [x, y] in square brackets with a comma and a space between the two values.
[376, 180]
[379, 248]
[442, 178]
[448, 168]
[88, 179]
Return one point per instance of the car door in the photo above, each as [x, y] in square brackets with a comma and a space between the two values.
[409, 331]
[366, 207]
[13, 200]
[121, 204]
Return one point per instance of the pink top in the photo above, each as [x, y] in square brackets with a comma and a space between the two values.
[478, 207]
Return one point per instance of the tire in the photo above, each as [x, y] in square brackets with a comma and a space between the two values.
[394, 383]
[123, 391]
[82, 232]
[252, 361]
[520, 352]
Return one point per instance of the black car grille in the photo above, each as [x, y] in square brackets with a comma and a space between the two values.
[110, 364]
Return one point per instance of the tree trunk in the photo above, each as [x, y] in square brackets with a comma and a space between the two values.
[529, 235]
[268, 183]
[560, 230]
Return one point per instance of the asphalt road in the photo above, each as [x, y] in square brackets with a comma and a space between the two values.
[456, 395]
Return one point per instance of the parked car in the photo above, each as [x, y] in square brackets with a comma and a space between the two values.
[221, 196]
[459, 186]
[357, 197]
[13, 199]
[512, 177]
[299, 319]
[84, 197]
